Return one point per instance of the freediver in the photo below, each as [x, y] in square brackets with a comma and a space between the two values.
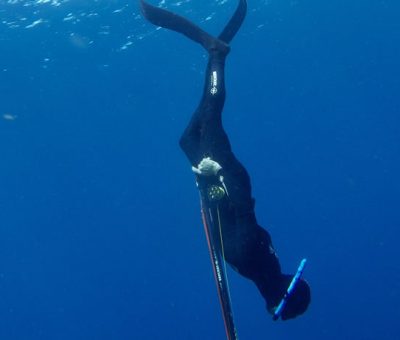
[247, 246]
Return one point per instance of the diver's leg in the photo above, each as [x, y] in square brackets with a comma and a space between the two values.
[204, 133]
[204, 136]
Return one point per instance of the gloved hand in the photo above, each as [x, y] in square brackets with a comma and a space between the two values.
[207, 167]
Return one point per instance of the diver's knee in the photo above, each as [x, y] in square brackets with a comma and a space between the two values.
[191, 149]
[183, 141]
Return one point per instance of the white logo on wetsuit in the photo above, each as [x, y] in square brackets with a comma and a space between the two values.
[214, 83]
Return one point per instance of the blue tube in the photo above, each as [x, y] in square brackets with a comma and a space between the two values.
[278, 311]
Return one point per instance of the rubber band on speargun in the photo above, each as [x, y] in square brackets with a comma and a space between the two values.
[278, 311]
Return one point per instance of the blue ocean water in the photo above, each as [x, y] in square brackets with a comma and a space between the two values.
[100, 229]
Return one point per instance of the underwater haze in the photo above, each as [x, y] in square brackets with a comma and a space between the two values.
[100, 227]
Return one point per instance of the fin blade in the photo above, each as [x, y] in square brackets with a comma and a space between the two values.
[166, 19]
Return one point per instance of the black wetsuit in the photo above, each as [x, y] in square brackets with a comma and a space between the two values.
[247, 246]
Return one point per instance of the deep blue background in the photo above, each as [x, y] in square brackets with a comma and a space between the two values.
[100, 232]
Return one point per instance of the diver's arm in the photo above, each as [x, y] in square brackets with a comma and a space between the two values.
[211, 176]
[209, 181]
[234, 182]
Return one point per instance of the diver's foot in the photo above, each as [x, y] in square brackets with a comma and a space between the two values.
[219, 48]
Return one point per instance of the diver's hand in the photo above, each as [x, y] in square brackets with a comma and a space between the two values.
[207, 167]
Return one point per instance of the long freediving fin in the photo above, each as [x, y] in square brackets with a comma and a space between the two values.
[234, 23]
[166, 19]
